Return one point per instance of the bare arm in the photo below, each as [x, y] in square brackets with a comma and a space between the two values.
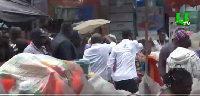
[108, 39]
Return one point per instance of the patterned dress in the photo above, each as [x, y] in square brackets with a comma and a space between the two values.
[139, 62]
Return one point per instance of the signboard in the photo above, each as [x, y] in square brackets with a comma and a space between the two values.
[173, 26]
[184, 22]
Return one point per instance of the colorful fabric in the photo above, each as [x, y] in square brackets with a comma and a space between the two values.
[139, 61]
[198, 52]
[181, 33]
[47, 75]
[143, 68]
[153, 70]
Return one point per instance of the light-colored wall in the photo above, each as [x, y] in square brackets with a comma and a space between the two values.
[42, 5]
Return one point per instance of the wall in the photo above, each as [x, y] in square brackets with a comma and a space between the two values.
[99, 11]
[86, 12]
[94, 3]
[67, 3]
[42, 5]
[100, 8]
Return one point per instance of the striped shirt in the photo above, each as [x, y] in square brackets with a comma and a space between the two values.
[31, 48]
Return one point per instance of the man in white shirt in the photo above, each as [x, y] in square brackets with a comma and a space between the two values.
[162, 40]
[123, 56]
[98, 55]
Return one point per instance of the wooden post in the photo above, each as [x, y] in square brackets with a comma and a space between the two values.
[146, 37]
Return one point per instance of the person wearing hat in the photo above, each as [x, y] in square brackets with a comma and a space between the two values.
[162, 40]
[75, 39]
[38, 38]
[181, 39]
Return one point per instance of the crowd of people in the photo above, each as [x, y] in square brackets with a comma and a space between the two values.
[114, 62]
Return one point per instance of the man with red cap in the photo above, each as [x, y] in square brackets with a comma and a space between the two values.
[181, 39]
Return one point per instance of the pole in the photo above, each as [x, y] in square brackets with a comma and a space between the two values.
[146, 37]
[32, 2]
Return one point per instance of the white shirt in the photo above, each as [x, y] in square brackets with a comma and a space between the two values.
[123, 55]
[31, 48]
[157, 45]
[98, 56]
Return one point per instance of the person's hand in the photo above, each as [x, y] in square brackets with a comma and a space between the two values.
[107, 38]
[104, 31]
[150, 39]
[151, 42]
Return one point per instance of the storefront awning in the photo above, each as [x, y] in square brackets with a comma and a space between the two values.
[18, 11]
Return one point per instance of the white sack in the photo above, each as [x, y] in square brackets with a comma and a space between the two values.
[42, 69]
[104, 88]
[148, 86]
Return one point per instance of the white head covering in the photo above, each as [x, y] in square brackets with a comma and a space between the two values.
[185, 58]
[112, 36]
[166, 37]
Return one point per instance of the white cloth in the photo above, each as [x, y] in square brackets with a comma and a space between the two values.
[148, 86]
[157, 46]
[155, 54]
[104, 88]
[195, 88]
[123, 55]
[98, 56]
[162, 89]
[112, 36]
[185, 58]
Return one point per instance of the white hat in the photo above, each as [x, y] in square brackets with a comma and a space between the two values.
[112, 36]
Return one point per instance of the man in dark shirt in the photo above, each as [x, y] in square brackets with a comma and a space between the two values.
[18, 40]
[5, 50]
[15, 33]
[76, 40]
[62, 47]
[21, 44]
[181, 39]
